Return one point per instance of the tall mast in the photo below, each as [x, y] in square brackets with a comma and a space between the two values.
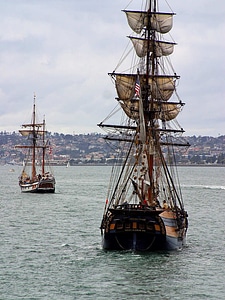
[148, 102]
[43, 149]
[148, 35]
[34, 137]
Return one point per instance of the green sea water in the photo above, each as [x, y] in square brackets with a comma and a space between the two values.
[50, 245]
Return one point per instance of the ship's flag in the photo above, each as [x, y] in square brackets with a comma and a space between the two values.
[137, 87]
[50, 149]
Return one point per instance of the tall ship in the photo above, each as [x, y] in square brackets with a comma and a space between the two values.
[36, 176]
[144, 208]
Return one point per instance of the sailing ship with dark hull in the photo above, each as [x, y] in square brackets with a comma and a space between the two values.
[36, 175]
[144, 209]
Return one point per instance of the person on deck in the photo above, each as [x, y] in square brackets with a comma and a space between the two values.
[165, 205]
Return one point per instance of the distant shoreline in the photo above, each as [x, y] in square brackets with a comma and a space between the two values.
[110, 165]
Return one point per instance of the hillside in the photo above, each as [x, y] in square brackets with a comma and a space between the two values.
[93, 149]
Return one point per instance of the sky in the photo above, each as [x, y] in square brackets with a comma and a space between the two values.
[63, 50]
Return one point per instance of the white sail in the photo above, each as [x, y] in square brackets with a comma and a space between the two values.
[161, 86]
[131, 108]
[167, 111]
[37, 125]
[27, 132]
[159, 47]
[161, 22]
[125, 86]
[163, 111]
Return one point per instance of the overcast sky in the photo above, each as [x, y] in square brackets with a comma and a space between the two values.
[63, 49]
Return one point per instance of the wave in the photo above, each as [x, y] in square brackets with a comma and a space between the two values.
[199, 186]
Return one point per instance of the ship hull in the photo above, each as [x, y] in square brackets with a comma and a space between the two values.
[38, 187]
[143, 231]
[141, 242]
[134, 241]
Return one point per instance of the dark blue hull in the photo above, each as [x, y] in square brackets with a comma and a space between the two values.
[143, 230]
[135, 241]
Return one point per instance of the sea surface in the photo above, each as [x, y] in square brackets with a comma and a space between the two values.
[50, 245]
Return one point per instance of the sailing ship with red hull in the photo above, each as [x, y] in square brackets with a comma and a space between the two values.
[36, 175]
[144, 210]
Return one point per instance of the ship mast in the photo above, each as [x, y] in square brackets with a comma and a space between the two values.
[34, 137]
[43, 149]
[148, 101]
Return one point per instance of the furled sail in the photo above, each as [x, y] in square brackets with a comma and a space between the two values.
[37, 125]
[161, 86]
[27, 132]
[159, 47]
[161, 22]
[131, 108]
[167, 111]
[163, 111]
[125, 86]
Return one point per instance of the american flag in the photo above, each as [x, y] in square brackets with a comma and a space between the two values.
[137, 88]
[50, 149]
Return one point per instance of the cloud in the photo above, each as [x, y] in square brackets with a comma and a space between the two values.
[63, 53]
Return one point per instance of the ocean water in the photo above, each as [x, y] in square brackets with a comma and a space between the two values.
[50, 245]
